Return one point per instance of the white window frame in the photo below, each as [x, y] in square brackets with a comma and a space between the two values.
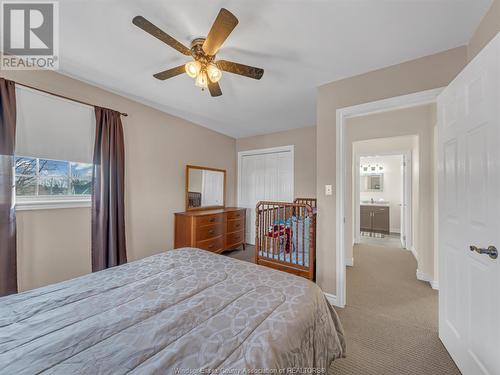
[50, 202]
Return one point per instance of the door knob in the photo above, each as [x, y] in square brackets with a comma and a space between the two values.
[491, 251]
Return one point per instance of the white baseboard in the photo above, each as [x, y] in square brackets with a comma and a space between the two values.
[434, 285]
[414, 252]
[424, 277]
[332, 299]
[349, 262]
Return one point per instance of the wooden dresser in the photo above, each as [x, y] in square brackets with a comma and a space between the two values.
[213, 230]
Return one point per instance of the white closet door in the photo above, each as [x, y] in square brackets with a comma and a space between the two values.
[266, 176]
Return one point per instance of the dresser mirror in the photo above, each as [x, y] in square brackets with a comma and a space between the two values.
[205, 188]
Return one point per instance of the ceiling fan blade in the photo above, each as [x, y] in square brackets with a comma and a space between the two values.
[241, 69]
[223, 25]
[155, 31]
[166, 74]
[214, 88]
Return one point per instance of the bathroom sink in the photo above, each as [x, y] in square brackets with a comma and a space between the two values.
[375, 203]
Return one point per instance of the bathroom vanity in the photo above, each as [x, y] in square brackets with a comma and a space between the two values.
[375, 218]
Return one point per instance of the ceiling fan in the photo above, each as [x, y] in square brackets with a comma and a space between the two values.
[204, 67]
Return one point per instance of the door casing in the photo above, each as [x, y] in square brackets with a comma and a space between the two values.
[342, 114]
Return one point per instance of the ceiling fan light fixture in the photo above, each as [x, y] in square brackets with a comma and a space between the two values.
[193, 68]
[202, 68]
[214, 73]
[202, 80]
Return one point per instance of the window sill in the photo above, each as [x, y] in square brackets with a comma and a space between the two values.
[52, 204]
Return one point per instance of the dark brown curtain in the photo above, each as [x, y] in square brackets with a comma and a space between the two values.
[108, 209]
[8, 261]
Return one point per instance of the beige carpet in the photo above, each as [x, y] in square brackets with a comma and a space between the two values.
[248, 254]
[390, 320]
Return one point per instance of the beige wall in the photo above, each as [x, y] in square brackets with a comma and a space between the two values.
[417, 75]
[54, 245]
[487, 30]
[304, 140]
[419, 122]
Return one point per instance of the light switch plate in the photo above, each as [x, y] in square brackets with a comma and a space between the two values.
[328, 190]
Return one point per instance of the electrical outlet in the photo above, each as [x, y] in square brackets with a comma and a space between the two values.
[328, 190]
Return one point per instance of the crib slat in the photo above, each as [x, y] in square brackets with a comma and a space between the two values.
[296, 239]
[303, 237]
[278, 237]
[258, 240]
[267, 230]
[284, 233]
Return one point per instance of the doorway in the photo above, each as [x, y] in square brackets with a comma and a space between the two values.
[382, 286]
[264, 174]
[382, 192]
[343, 154]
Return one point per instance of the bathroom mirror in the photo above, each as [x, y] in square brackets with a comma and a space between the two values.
[205, 188]
[372, 182]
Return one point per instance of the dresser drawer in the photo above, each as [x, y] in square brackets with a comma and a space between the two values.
[213, 244]
[232, 215]
[235, 225]
[209, 231]
[235, 238]
[209, 219]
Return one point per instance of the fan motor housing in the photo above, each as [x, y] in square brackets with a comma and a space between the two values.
[198, 53]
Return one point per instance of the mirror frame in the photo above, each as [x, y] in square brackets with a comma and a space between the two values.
[188, 167]
[381, 175]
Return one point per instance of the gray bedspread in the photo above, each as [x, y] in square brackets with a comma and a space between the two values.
[175, 312]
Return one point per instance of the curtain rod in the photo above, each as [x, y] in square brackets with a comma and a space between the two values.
[65, 97]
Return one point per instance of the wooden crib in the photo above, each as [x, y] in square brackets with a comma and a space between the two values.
[285, 237]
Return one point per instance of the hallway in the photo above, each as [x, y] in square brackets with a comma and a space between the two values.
[391, 319]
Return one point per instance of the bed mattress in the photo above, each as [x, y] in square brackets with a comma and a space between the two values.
[176, 312]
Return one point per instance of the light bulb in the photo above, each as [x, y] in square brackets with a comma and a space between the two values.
[193, 68]
[214, 73]
[202, 80]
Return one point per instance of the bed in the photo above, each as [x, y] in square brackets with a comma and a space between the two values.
[285, 237]
[175, 312]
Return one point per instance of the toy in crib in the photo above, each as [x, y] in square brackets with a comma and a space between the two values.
[283, 232]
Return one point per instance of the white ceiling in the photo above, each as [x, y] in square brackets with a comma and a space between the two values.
[301, 44]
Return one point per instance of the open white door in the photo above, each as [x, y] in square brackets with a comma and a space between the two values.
[469, 214]
[406, 182]
[404, 202]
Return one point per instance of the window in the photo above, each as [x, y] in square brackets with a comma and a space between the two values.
[46, 181]
[54, 146]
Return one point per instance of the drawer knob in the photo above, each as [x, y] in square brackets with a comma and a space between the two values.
[212, 220]
[211, 231]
